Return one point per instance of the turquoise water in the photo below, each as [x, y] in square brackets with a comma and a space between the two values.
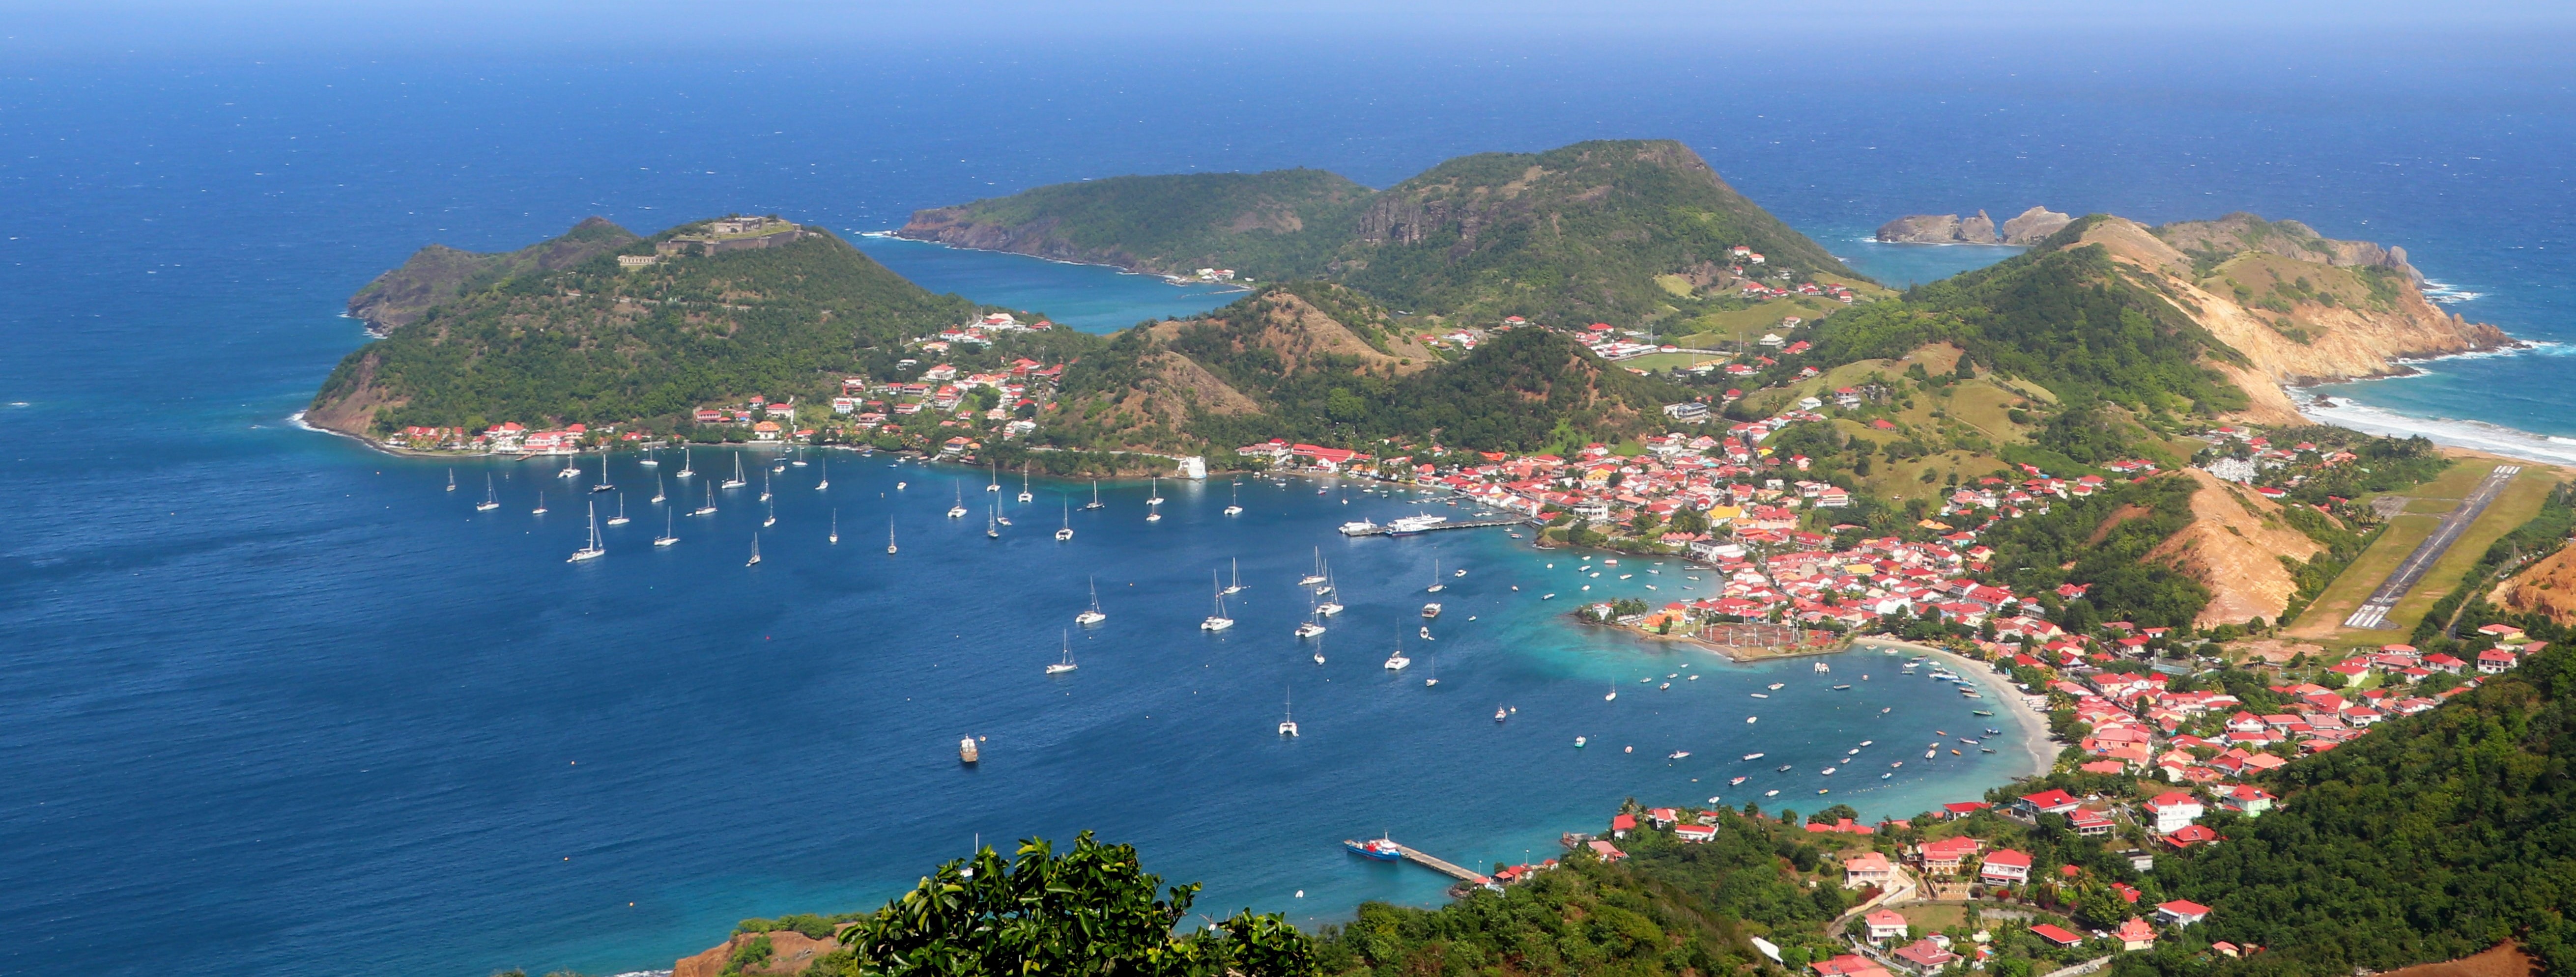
[1085, 297]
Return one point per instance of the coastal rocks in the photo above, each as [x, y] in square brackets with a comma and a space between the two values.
[789, 952]
[2031, 227]
[2290, 239]
[2034, 225]
[2233, 546]
[2548, 588]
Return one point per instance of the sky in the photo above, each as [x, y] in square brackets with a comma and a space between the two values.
[144, 28]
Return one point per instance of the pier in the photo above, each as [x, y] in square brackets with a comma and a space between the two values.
[1436, 527]
[1418, 857]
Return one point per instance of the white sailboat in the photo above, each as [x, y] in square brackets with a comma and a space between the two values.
[1314, 626]
[1024, 483]
[708, 509]
[1154, 502]
[737, 481]
[800, 458]
[764, 488]
[593, 549]
[1064, 664]
[957, 510]
[1235, 586]
[1235, 507]
[1092, 616]
[755, 551]
[1095, 495]
[1288, 715]
[1154, 486]
[603, 485]
[993, 476]
[826, 469]
[1217, 621]
[648, 460]
[1397, 662]
[1316, 577]
[620, 518]
[1330, 606]
[991, 531]
[1614, 694]
[686, 471]
[490, 501]
[1066, 534]
[1436, 585]
[1434, 666]
[769, 515]
[667, 538]
[1319, 652]
[570, 468]
[835, 538]
[658, 493]
[451, 479]
[541, 504]
[889, 535]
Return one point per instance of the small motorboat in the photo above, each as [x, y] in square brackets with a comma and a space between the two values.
[1578, 742]
[1737, 780]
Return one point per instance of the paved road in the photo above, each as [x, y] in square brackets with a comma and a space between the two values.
[2373, 613]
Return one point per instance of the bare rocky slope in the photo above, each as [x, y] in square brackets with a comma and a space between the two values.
[2233, 546]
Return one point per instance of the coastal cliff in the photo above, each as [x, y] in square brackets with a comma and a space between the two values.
[2295, 320]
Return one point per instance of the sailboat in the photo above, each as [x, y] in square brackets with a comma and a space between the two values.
[451, 479]
[769, 515]
[1154, 485]
[764, 488]
[685, 470]
[990, 531]
[1330, 606]
[620, 518]
[737, 481]
[1436, 585]
[1316, 577]
[1236, 507]
[541, 504]
[827, 475]
[1288, 715]
[1095, 495]
[889, 535]
[658, 494]
[570, 469]
[1092, 616]
[603, 485]
[667, 538]
[994, 476]
[1434, 678]
[836, 528]
[1024, 483]
[1217, 621]
[490, 501]
[1613, 696]
[1314, 626]
[755, 551]
[708, 509]
[1236, 585]
[1319, 651]
[1154, 502]
[1397, 662]
[648, 460]
[800, 458]
[958, 510]
[592, 550]
[1066, 534]
[1064, 664]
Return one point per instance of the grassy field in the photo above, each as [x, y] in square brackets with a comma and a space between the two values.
[1657, 362]
[1747, 325]
[1927, 917]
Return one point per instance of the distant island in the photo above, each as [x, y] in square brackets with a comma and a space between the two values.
[2031, 227]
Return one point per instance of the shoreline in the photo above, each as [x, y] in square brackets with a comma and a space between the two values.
[897, 235]
[2037, 742]
[2460, 434]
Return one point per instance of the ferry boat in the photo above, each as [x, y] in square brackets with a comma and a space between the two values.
[1410, 525]
[1359, 527]
[1381, 849]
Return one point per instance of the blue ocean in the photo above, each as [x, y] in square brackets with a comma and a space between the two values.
[297, 708]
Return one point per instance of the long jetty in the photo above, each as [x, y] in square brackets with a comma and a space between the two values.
[1418, 857]
[1436, 527]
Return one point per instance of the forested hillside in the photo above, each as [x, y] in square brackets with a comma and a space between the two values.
[438, 273]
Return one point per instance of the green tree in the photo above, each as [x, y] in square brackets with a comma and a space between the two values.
[1092, 911]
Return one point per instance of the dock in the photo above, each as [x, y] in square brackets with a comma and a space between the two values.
[1461, 524]
[1418, 857]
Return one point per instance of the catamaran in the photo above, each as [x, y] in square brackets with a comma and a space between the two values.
[1330, 606]
[1024, 484]
[1236, 586]
[1235, 507]
[490, 501]
[1397, 662]
[1066, 534]
[1313, 627]
[708, 509]
[1064, 664]
[957, 510]
[994, 477]
[755, 551]
[835, 538]
[1316, 577]
[686, 471]
[620, 518]
[570, 469]
[1095, 495]
[603, 485]
[1217, 621]
[1154, 502]
[1288, 715]
[1436, 585]
[666, 538]
[592, 550]
[1092, 616]
[737, 481]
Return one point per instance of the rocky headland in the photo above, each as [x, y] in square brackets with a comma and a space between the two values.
[2029, 228]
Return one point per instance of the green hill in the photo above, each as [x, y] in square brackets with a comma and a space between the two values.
[1564, 236]
[439, 273]
[596, 343]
